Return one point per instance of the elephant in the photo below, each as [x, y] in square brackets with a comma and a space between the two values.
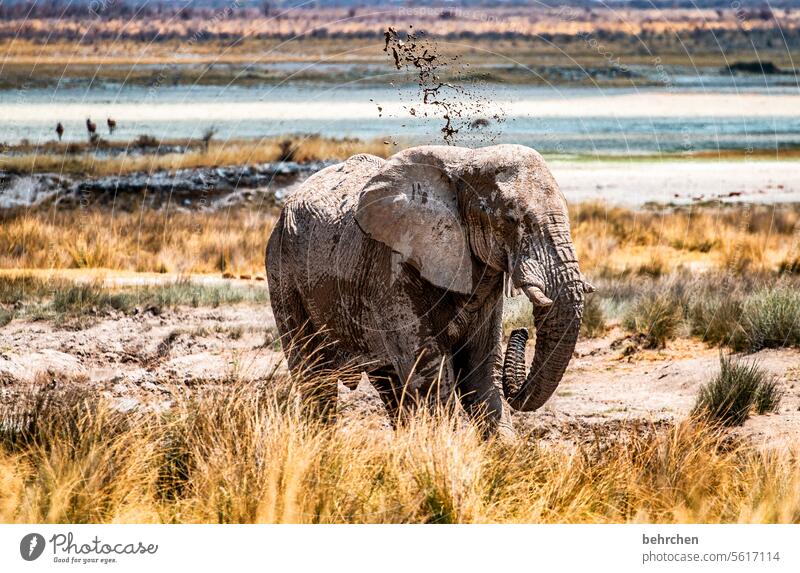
[401, 265]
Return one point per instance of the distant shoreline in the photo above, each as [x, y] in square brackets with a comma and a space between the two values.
[651, 183]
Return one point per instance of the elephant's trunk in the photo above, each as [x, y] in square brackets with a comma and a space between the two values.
[557, 328]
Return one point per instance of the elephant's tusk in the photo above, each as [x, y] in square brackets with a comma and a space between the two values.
[510, 290]
[536, 296]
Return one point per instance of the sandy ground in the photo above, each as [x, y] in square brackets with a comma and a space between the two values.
[134, 358]
[634, 183]
[290, 105]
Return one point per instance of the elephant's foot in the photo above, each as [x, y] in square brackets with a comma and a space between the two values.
[498, 427]
[504, 431]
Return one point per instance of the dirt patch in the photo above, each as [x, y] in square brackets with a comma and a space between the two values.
[604, 386]
[139, 360]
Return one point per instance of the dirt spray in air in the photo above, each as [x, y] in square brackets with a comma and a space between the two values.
[457, 101]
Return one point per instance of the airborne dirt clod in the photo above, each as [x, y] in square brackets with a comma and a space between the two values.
[461, 107]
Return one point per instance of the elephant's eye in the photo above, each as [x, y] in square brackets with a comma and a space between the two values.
[512, 219]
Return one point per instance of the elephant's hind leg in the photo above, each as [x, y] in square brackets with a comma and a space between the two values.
[308, 355]
[390, 389]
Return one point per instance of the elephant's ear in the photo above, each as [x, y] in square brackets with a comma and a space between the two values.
[411, 206]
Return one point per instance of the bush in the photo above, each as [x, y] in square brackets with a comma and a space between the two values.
[145, 140]
[771, 318]
[655, 317]
[288, 150]
[6, 316]
[766, 318]
[739, 387]
[594, 319]
[92, 296]
[718, 320]
[768, 397]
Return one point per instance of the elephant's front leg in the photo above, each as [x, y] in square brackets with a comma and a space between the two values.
[427, 378]
[477, 362]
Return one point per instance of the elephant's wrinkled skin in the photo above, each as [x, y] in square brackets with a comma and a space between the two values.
[400, 265]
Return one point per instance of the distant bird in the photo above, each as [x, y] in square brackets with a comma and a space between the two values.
[59, 130]
[112, 125]
[91, 127]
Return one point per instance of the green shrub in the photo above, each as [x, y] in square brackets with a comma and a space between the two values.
[594, 319]
[771, 318]
[768, 397]
[23, 288]
[718, 320]
[6, 316]
[92, 296]
[656, 317]
[738, 388]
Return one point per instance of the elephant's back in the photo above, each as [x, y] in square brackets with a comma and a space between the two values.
[331, 193]
[318, 250]
[317, 228]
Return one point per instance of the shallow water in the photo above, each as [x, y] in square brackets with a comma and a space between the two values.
[551, 119]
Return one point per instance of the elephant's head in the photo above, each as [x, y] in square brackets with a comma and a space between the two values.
[452, 212]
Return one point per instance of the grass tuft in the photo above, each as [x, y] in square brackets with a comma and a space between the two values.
[771, 318]
[768, 398]
[738, 389]
[717, 319]
[768, 316]
[656, 317]
[593, 324]
[78, 304]
[6, 316]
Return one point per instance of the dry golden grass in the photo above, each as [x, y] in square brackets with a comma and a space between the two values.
[733, 238]
[58, 158]
[240, 453]
[262, 34]
[730, 238]
[154, 241]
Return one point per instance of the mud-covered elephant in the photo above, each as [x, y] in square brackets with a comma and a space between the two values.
[401, 265]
